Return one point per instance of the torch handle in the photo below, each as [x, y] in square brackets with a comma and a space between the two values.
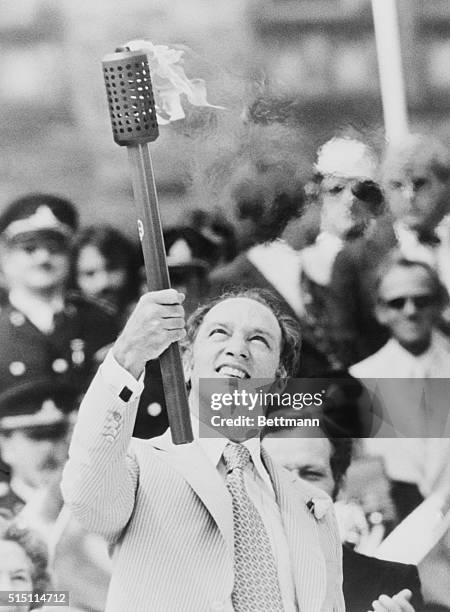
[151, 236]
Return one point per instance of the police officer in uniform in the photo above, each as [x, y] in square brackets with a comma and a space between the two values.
[45, 330]
[35, 424]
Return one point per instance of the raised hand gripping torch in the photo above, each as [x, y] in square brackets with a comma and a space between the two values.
[134, 125]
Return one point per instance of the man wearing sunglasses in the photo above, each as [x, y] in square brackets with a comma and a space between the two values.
[410, 299]
[416, 182]
[45, 330]
[349, 200]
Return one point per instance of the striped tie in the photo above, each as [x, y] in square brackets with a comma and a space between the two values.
[256, 587]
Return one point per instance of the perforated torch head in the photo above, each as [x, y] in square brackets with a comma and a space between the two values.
[130, 97]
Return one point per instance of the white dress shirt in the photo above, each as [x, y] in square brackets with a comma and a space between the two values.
[256, 478]
[40, 312]
[415, 460]
[318, 259]
[25, 491]
[393, 361]
[279, 263]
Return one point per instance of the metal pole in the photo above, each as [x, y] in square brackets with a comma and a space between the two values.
[390, 68]
[151, 236]
[134, 124]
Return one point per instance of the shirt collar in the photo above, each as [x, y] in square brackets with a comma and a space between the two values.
[435, 347]
[39, 312]
[214, 447]
[403, 232]
[275, 246]
[22, 489]
[330, 239]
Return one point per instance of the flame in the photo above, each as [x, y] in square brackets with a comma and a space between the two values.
[170, 81]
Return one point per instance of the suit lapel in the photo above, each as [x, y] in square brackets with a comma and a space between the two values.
[307, 559]
[308, 563]
[192, 463]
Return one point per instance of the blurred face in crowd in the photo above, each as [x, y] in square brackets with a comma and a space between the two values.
[96, 279]
[343, 214]
[238, 338]
[15, 572]
[408, 306]
[416, 195]
[35, 455]
[308, 458]
[37, 262]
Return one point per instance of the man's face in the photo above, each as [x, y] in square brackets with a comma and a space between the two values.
[342, 213]
[238, 338]
[308, 458]
[15, 571]
[37, 262]
[96, 279]
[416, 196]
[34, 459]
[407, 306]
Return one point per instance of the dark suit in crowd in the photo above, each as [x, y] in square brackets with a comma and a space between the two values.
[355, 331]
[67, 353]
[366, 578]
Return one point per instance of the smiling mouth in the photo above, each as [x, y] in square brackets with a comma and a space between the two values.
[232, 372]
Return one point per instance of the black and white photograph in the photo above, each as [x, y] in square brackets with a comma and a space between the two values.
[224, 306]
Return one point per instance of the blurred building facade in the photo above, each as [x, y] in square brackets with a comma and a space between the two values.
[321, 55]
[311, 60]
[54, 127]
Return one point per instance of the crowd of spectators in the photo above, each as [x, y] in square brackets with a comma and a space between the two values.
[370, 294]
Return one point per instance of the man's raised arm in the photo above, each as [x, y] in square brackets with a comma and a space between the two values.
[100, 477]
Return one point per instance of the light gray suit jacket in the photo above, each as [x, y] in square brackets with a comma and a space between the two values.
[169, 514]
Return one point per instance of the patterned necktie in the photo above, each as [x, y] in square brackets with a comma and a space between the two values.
[256, 587]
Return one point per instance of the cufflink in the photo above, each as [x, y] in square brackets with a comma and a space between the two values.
[125, 394]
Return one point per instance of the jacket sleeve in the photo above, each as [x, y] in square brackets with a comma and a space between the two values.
[100, 478]
[337, 595]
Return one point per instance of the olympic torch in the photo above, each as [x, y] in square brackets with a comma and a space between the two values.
[134, 125]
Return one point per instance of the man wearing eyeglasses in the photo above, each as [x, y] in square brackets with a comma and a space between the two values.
[350, 200]
[410, 298]
[416, 182]
[45, 330]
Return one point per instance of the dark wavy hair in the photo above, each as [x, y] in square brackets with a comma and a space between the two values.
[37, 552]
[341, 447]
[290, 328]
[118, 251]
[269, 200]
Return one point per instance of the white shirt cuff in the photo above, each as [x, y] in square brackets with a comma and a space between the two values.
[119, 378]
